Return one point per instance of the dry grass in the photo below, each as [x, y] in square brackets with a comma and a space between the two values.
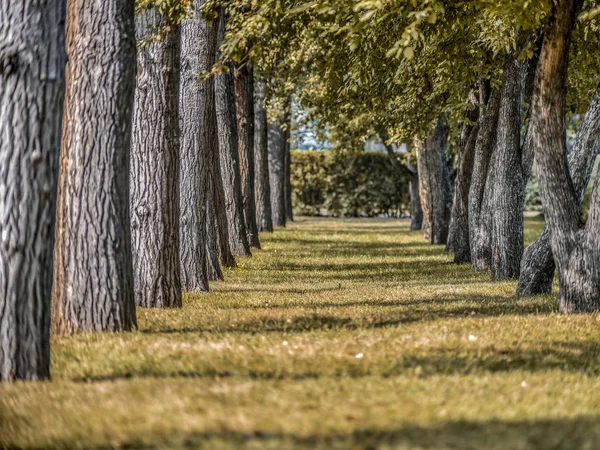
[340, 334]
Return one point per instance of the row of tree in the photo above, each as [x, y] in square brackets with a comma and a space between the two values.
[133, 171]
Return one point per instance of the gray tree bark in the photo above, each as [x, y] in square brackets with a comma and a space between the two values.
[154, 175]
[229, 156]
[196, 99]
[277, 149]
[32, 74]
[93, 276]
[576, 247]
[479, 227]
[424, 189]
[213, 266]
[262, 189]
[416, 211]
[244, 108]
[289, 208]
[537, 266]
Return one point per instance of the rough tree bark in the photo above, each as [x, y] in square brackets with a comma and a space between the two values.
[229, 157]
[196, 99]
[537, 265]
[508, 191]
[479, 229]
[244, 108]
[32, 74]
[289, 209]
[576, 247]
[277, 148]
[154, 174]
[435, 182]
[262, 190]
[424, 189]
[93, 274]
[405, 170]
[213, 266]
[458, 236]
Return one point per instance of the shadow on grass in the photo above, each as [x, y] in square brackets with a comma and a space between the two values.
[580, 432]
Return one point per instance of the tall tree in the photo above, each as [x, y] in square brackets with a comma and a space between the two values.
[93, 276]
[262, 188]
[537, 265]
[576, 247]
[196, 99]
[289, 211]
[244, 108]
[277, 149]
[32, 93]
[229, 155]
[213, 266]
[154, 176]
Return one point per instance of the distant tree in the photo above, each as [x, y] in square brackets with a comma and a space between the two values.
[32, 84]
[262, 188]
[93, 277]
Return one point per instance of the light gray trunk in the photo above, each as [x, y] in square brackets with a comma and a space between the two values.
[277, 148]
[244, 108]
[289, 208]
[32, 86]
[154, 174]
[262, 189]
[229, 157]
[93, 276]
[196, 99]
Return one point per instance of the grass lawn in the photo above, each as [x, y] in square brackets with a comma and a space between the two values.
[339, 334]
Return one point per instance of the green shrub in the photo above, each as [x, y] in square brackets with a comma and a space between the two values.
[354, 185]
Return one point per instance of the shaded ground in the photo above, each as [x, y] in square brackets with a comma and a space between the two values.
[340, 334]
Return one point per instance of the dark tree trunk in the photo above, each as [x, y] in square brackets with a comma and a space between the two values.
[411, 175]
[196, 99]
[244, 108]
[229, 156]
[32, 90]
[262, 189]
[537, 266]
[576, 248]
[213, 266]
[93, 276]
[479, 229]
[433, 169]
[508, 191]
[289, 208]
[458, 236]
[277, 148]
[154, 175]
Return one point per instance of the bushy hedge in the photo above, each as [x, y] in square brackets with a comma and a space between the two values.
[354, 185]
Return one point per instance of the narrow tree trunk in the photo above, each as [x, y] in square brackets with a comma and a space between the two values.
[213, 266]
[416, 211]
[277, 151]
[93, 277]
[262, 189]
[479, 230]
[196, 99]
[244, 107]
[32, 91]
[508, 192]
[537, 266]
[229, 156]
[289, 208]
[424, 189]
[458, 236]
[154, 176]
[576, 249]
[435, 170]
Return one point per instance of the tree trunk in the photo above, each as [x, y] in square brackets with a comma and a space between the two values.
[479, 230]
[262, 189]
[32, 91]
[458, 236]
[154, 175]
[537, 266]
[416, 211]
[93, 277]
[289, 208]
[277, 151]
[213, 266]
[436, 177]
[229, 157]
[196, 99]
[244, 108]
[424, 189]
[576, 248]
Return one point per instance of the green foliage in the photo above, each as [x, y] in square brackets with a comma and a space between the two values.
[347, 184]
[173, 12]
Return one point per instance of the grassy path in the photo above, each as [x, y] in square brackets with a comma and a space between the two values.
[340, 334]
